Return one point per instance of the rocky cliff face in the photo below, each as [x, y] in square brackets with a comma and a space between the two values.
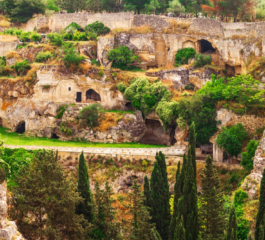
[8, 229]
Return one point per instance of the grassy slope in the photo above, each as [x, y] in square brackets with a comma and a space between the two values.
[12, 138]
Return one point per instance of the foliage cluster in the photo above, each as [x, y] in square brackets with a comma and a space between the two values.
[247, 157]
[98, 28]
[202, 60]
[21, 67]
[183, 55]
[43, 56]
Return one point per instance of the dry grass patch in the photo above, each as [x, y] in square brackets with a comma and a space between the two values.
[8, 38]
[4, 23]
[13, 55]
[109, 119]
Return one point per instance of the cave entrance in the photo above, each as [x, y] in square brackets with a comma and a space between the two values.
[206, 47]
[21, 127]
[128, 106]
[78, 97]
[54, 136]
[91, 94]
[231, 71]
[156, 134]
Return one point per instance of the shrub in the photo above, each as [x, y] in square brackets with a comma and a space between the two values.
[91, 114]
[21, 67]
[55, 39]
[68, 36]
[121, 57]
[202, 60]
[97, 27]
[183, 55]
[95, 62]
[43, 56]
[232, 139]
[92, 36]
[71, 30]
[167, 112]
[247, 157]
[79, 36]
[24, 37]
[121, 87]
[35, 37]
[74, 25]
[72, 57]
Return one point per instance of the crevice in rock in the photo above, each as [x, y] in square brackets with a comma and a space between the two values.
[21, 127]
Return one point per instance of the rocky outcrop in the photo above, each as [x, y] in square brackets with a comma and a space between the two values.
[105, 44]
[8, 229]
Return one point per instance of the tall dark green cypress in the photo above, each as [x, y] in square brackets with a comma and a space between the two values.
[231, 229]
[261, 211]
[159, 197]
[146, 192]
[189, 203]
[177, 195]
[179, 231]
[192, 143]
[155, 235]
[212, 203]
[86, 207]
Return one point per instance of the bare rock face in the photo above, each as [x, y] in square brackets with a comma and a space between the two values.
[250, 185]
[181, 134]
[8, 229]
[104, 46]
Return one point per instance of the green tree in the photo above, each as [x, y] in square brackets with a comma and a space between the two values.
[23, 10]
[140, 226]
[72, 6]
[146, 192]
[247, 157]
[183, 55]
[159, 196]
[212, 203]
[261, 211]
[177, 195]
[85, 207]
[192, 143]
[175, 7]
[231, 228]
[189, 206]
[44, 200]
[138, 5]
[232, 139]
[155, 235]
[179, 231]
[153, 6]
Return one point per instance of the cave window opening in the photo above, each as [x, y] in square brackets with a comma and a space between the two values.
[54, 136]
[69, 89]
[91, 94]
[206, 47]
[21, 127]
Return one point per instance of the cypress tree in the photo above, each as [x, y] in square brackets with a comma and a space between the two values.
[180, 231]
[86, 207]
[231, 229]
[146, 192]
[177, 195]
[155, 235]
[212, 203]
[192, 143]
[189, 202]
[261, 211]
[159, 197]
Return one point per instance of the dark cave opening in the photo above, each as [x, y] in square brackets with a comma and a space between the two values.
[206, 47]
[91, 94]
[21, 127]
[54, 136]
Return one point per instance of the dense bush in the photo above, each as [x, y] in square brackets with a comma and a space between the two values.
[144, 96]
[24, 36]
[55, 39]
[202, 60]
[121, 57]
[167, 112]
[121, 87]
[72, 57]
[35, 37]
[97, 27]
[13, 31]
[2, 65]
[232, 139]
[21, 67]
[95, 62]
[247, 157]
[183, 55]
[92, 36]
[74, 25]
[91, 114]
[79, 36]
[43, 56]
[241, 89]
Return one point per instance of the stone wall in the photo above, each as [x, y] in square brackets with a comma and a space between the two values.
[154, 21]
[6, 47]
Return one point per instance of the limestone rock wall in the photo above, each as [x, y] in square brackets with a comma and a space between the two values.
[6, 47]
[8, 229]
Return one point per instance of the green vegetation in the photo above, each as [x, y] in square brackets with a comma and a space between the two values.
[183, 55]
[43, 56]
[21, 67]
[75, 26]
[91, 114]
[35, 37]
[72, 57]
[122, 57]
[13, 138]
[247, 157]
[98, 28]
[202, 60]
[56, 193]
[231, 228]
[232, 139]
[55, 39]
[121, 87]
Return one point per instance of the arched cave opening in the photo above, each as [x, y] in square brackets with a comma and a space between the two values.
[54, 136]
[206, 47]
[128, 106]
[91, 94]
[21, 127]
[156, 134]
